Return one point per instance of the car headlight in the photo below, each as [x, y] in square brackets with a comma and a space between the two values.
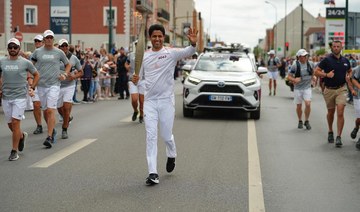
[193, 80]
[249, 82]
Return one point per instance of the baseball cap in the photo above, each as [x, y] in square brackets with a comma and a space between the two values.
[302, 52]
[38, 37]
[13, 40]
[48, 33]
[271, 52]
[62, 41]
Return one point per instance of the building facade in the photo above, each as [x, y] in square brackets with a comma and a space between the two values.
[89, 24]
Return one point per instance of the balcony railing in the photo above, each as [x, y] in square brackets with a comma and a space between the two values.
[144, 6]
[163, 15]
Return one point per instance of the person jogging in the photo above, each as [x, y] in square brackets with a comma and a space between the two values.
[300, 75]
[157, 71]
[67, 87]
[336, 71]
[136, 90]
[48, 59]
[14, 88]
[38, 42]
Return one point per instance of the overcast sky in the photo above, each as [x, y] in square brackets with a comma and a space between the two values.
[245, 21]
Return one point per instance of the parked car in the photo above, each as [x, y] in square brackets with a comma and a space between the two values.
[225, 78]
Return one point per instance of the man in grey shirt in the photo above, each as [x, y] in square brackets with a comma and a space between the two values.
[67, 88]
[300, 75]
[48, 59]
[14, 87]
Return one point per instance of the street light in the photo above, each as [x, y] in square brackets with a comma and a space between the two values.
[275, 32]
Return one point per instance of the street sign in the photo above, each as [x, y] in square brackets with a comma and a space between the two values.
[19, 36]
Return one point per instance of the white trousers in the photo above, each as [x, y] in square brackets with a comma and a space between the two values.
[162, 112]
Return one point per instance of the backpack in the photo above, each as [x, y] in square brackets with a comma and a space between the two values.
[274, 62]
[298, 69]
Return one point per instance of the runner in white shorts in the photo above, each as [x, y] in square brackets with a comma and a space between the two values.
[48, 59]
[301, 75]
[14, 88]
[67, 87]
[136, 90]
[273, 64]
[355, 79]
[38, 42]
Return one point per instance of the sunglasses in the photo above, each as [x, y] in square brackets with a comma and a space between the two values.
[49, 37]
[64, 45]
[37, 41]
[13, 46]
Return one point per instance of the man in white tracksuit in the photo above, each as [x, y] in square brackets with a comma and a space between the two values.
[159, 105]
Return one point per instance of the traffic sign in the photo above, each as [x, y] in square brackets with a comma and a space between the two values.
[19, 36]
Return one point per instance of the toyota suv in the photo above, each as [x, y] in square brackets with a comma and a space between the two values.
[223, 78]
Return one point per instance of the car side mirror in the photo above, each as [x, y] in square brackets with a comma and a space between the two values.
[261, 70]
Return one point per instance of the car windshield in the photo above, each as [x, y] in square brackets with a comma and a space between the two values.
[225, 63]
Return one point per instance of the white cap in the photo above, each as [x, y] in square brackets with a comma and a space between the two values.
[48, 33]
[62, 41]
[13, 40]
[302, 52]
[107, 66]
[38, 37]
[271, 52]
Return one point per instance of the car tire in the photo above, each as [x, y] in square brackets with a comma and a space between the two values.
[187, 112]
[255, 114]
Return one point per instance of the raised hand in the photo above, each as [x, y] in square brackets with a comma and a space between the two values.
[192, 35]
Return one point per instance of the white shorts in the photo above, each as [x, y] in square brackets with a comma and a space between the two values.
[36, 98]
[302, 95]
[14, 109]
[273, 74]
[139, 88]
[49, 96]
[357, 107]
[66, 95]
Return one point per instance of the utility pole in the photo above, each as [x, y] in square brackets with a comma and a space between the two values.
[285, 30]
[174, 23]
[346, 23]
[110, 20]
[302, 25]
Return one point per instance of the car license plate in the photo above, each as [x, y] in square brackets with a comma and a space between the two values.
[220, 98]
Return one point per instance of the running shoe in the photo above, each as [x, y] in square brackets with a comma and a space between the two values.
[152, 179]
[22, 142]
[134, 116]
[38, 130]
[64, 135]
[47, 142]
[53, 140]
[141, 119]
[307, 125]
[300, 125]
[338, 142]
[170, 164]
[13, 155]
[358, 144]
[354, 133]
[331, 137]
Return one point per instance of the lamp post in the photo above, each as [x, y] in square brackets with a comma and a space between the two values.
[110, 19]
[275, 31]
[285, 30]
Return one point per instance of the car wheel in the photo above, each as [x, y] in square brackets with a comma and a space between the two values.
[187, 112]
[256, 114]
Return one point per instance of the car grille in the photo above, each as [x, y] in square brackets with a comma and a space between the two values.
[237, 101]
[226, 89]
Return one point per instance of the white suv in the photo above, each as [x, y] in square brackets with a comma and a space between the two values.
[223, 79]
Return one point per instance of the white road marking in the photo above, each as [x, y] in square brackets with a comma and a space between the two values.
[128, 119]
[256, 195]
[56, 157]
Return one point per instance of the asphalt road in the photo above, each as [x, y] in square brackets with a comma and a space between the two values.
[102, 166]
